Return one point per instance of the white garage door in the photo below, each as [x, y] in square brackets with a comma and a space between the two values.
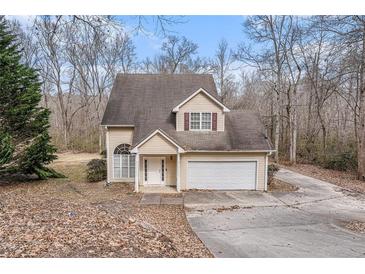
[221, 175]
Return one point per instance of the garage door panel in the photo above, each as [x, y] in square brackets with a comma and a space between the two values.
[222, 175]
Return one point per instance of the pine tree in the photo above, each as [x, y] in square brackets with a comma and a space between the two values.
[24, 140]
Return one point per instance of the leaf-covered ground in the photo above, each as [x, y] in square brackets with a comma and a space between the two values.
[343, 179]
[280, 186]
[356, 226]
[73, 218]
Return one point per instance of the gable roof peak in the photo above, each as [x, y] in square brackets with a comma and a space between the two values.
[135, 98]
[201, 90]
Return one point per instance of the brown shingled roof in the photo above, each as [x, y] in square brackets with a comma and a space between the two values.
[146, 101]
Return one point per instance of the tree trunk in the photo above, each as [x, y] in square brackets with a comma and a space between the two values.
[361, 131]
[323, 129]
[293, 155]
[277, 126]
[102, 145]
[272, 117]
[292, 114]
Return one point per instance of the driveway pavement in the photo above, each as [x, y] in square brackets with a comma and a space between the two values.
[305, 223]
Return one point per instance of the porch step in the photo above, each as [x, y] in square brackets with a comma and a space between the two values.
[157, 199]
[158, 189]
[151, 199]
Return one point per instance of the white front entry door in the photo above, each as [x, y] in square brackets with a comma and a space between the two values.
[154, 170]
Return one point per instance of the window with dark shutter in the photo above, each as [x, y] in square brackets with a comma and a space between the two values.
[214, 120]
[186, 121]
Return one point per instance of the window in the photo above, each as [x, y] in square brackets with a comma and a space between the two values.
[117, 171]
[206, 120]
[162, 170]
[122, 149]
[195, 120]
[145, 170]
[125, 167]
[123, 162]
[200, 121]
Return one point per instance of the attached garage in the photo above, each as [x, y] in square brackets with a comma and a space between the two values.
[222, 175]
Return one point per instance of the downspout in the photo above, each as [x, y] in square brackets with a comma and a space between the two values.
[266, 169]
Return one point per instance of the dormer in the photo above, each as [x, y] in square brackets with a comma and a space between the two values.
[200, 112]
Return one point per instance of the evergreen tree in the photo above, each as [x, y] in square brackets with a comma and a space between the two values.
[24, 141]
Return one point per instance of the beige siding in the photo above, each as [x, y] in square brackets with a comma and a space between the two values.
[259, 157]
[117, 136]
[170, 166]
[200, 103]
[140, 171]
[157, 145]
[171, 170]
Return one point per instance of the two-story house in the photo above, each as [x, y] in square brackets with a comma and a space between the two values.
[173, 130]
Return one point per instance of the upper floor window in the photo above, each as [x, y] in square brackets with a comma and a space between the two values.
[200, 121]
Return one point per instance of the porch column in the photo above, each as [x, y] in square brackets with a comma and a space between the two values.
[178, 172]
[136, 173]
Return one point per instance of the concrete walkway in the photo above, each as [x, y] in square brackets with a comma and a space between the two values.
[305, 223]
[159, 199]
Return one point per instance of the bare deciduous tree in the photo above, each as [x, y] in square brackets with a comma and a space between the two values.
[273, 33]
[177, 56]
[304, 75]
[222, 69]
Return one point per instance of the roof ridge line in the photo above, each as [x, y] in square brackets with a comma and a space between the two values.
[165, 74]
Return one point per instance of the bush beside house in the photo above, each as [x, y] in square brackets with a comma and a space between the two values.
[96, 170]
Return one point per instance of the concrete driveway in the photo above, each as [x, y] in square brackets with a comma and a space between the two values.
[305, 223]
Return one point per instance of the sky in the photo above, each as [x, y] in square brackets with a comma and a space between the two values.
[206, 31]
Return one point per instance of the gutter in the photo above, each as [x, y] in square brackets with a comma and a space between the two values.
[224, 151]
[117, 125]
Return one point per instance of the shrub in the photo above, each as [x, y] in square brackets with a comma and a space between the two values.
[342, 161]
[271, 170]
[96, 170]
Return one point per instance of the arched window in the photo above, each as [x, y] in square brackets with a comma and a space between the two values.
[123, 162]
[122, 149]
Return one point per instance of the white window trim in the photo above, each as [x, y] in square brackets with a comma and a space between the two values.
[120, 166]
[201, 121]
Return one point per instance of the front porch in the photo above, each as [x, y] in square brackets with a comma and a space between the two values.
[157, 164]
[157, 173]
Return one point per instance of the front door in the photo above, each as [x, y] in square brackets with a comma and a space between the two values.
[154, 170]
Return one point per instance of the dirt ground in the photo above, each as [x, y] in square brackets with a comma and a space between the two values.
[343, 179]
[73, 218]
[280, 186]
[356, 226]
